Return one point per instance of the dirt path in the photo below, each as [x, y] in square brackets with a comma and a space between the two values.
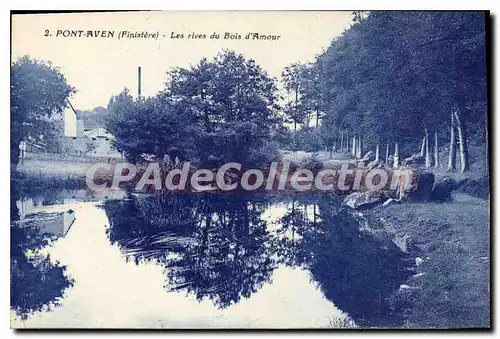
[323, 156]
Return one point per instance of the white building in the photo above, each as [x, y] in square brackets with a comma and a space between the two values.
[70, 121]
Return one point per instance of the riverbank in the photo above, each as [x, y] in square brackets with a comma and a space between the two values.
[53, 168]
[38, 181]
[450, 241]
[447, 245]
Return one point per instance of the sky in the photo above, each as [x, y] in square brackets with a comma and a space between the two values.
[101, 67]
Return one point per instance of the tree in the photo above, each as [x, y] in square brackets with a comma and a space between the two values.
[212, 113]
[392, 75]
[153, 126]
[124, 122]
[462, 143]
[233, 104]
[452, 156]
[294, 110]
[38, 92]
[304, 101]
[95, 117]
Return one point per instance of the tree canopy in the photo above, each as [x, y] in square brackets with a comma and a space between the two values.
[392, 75]
[217, 111]
[38, 90]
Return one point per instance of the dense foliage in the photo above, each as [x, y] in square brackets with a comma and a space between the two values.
[93, 118]
[38, 91]
[217, 111]
[392, 75]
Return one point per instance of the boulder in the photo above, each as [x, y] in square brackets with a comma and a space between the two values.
[402, 242]
[419, 261]
[442, 189]
[419, 189]
[366, 199]
[390, 201]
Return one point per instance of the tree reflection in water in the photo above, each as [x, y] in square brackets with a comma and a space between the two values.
[219, 247]
[213, 246]
[36, 283]
[353, 269]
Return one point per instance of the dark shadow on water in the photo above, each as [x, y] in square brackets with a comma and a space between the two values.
[36, 283]
[220, 247]
[225, 248]
[353, 269]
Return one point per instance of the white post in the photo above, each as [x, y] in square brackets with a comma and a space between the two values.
[396, 156]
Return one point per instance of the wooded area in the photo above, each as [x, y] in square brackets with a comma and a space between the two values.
[394, 82]
[395, 78]
[215, 112]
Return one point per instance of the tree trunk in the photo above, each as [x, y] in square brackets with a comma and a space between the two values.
[452, 157]
[356, 150]
[294, 150]
[436, 153]
[387, 152]
[353, 152]
[296, 97]
[427, 151]
[360, 146]
[347, 142]
[396, 155]
[377, 153]
[422, 148]
[462, 144]
[341, 141]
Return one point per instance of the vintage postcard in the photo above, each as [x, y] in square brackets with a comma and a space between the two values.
[250, 170]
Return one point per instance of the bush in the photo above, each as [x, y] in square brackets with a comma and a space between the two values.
[311, 164]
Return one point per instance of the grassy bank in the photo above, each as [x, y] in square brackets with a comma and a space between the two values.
[53, 169]
[450, 287]
[28, 183]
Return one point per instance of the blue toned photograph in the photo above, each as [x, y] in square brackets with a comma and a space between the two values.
[320, 170]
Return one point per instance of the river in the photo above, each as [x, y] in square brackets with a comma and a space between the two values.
[200, 261]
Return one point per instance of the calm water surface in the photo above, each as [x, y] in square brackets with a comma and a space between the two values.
[200, 261]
